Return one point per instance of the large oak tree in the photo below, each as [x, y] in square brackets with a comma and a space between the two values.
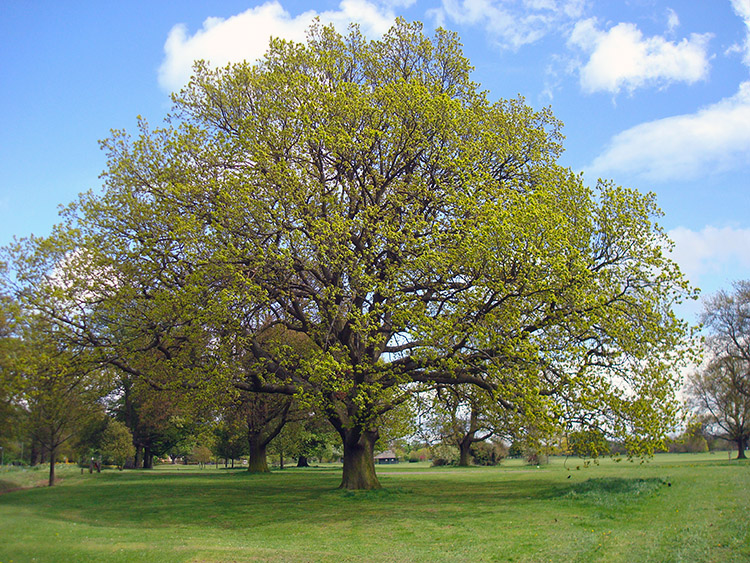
[368, 198]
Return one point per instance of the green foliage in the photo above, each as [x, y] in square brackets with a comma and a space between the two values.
[200, 455]
[443, 454]
[488, 453]
[117, 444]
[349, 220]
[231, 441]
[589, 442]
[692, 440]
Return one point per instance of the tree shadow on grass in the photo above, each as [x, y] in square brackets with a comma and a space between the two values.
[244, 501]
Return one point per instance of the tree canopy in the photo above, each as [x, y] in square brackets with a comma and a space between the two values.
[348, 221]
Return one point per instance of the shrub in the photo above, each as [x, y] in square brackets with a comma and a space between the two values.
[443, 454]
[117, 444]
[488, 453]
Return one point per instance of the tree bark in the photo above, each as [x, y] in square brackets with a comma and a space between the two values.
[138, 456]
[257, 461]
[36, 453]
[148, 458]
[52, 454]
[359, 460]
[741, 446]
[302, 461]
[464, 449]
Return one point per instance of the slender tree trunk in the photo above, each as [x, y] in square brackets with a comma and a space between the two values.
[257, 462]
[359, 460]
[148, 458]
[52, 454]
[138, 456]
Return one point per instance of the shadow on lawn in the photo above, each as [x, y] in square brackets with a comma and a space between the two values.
[239, 500]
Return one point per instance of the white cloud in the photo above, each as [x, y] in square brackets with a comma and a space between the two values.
[742, 9]
[245, 36]
[622, 58]
[711, 251]
[511, 24]
[716, 138]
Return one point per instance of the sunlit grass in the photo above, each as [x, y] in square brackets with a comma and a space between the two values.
[673, 508]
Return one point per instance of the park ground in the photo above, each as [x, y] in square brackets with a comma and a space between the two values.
[674, 507]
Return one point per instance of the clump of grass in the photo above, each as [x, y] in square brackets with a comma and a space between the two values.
[13, 478]
[376, 494]
[614, 490]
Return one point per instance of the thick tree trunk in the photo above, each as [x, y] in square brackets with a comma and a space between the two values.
[359, 460]
[138, 456]
[148, 458]
[302, 461]
[464, 449]
[741, 446]
[257, 461]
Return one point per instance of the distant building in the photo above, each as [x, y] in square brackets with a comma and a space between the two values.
[386, 457]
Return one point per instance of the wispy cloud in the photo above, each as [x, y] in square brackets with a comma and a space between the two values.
[621, 58]
[742, 9]
[510, 24]
[673, 20]
[716, 138]
[712, 251]
[245, 36]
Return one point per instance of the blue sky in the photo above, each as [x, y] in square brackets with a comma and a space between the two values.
[654, 95]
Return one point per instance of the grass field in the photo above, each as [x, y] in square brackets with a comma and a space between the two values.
[677, 507]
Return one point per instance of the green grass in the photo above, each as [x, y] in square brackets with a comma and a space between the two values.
[674, 508]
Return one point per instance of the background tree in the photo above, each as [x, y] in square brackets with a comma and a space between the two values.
[716, 392]
[369, 198]
[726, 315]
[694, 438]
[721, 388]
[201, 455]
[264, 416]
[60, 388]
[461, 416]
[11, 412]
[117, 444]
[304, 436]
[231, 442]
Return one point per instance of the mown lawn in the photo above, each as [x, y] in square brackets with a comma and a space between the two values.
[673, 508]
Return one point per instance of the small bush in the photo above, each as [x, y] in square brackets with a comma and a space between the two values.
[443, 454]
[488, 453]
[440, 461]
